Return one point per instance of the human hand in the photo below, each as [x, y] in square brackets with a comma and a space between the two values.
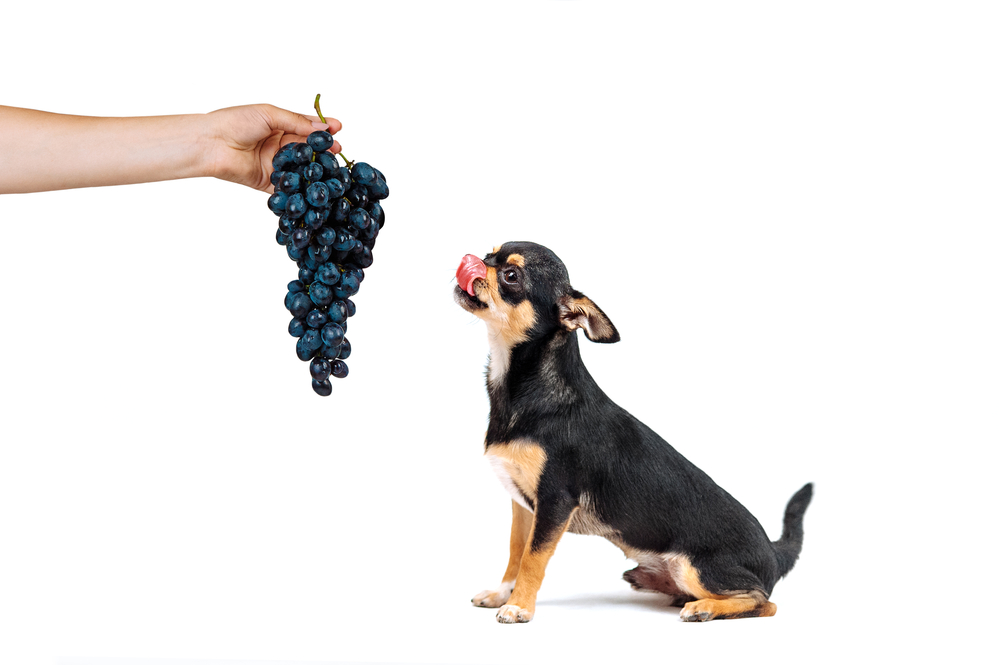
[244, 140]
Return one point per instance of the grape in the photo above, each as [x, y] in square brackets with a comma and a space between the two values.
[314, 171]
[363, 173]
[332, 334]
[339, 368]
[295, 207]
[315, 319]
[290, 182]
[320, 141]
[320, 369]
[328, 218]
[277, 202]
[317, 195]
[328, 274]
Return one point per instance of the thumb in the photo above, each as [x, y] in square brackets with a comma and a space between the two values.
[290, 123]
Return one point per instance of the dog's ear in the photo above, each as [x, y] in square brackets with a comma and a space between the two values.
[577, 311]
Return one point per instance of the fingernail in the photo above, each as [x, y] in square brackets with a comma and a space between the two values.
[320, 125]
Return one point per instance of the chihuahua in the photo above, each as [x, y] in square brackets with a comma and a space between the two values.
[575, 461]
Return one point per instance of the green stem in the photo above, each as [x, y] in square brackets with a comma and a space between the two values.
[318, 112]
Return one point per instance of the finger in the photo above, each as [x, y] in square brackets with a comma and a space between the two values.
[332, 124]
[336, 148]
[288, 122]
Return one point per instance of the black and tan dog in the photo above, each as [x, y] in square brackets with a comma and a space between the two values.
[575, 461]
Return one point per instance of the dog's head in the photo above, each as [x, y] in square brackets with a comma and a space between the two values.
[522, 291]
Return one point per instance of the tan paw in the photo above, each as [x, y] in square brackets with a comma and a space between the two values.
[494, 598]
[697, 610]
[513, 614]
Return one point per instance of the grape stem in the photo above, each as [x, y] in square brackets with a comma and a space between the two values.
[350, 164]
[318, 112]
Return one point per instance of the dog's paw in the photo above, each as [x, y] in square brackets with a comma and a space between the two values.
[513, 614]
[494, 598]
[697, 610]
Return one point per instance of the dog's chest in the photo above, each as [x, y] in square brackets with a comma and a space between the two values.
[518, 464]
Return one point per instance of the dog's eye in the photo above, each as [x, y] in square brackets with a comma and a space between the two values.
[510, 276]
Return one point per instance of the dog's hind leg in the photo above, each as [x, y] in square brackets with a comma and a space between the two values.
[743, 597]
[519, 531]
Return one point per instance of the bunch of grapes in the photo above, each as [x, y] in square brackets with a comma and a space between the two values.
[329, 218]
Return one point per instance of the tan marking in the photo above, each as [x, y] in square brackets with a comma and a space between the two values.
[497, 248]
[515, 260]
[708, 609]
[532, 572]
[519, 532]
[584, 313]
[523, 461]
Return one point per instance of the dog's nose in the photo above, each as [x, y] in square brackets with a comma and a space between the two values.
[470, 268]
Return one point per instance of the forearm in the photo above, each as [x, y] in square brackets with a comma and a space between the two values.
[44, 151]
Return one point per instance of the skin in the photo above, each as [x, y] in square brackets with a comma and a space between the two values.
[41, 151]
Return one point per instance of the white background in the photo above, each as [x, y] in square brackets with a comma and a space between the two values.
[788, 211]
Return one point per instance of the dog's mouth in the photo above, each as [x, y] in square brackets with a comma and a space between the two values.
[471, 303]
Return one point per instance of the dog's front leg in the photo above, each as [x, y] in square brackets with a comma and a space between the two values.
[519, 532]
[551, 519]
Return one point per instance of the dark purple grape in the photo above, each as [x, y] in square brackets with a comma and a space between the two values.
[313, 219]
[282, 238]
[311, 339]
[289, 183]
[303, 352]
[321, 294]
[363, 173]
[357, 195]
[351, 308]
[277, 202]
[286, 224]
[319, 369]
[295, 206]
[359, 219]
[295, 285]
[318, 195]
[314, 171]
[284, 158]
[339, 368]
[341, 210]
[344, 349]
[300, 238]
[294, 253]
[337, 312]
[377, 214]
[320, 254]
[328, 274]
[336, 188]
[328, 161]
[378, 190]
[320, 140]
[302, 153]
[323, 388]
[306, 274]
[365, 259]
[315, 319]
[332, 334]
[296, 328]
[299, 304]
[326, 235]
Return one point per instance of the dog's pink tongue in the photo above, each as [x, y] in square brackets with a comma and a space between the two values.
[470, 267]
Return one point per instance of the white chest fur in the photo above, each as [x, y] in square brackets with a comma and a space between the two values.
[518, 465]
[501, 468]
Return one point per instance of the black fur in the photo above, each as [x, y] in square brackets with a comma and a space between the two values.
[637, 483]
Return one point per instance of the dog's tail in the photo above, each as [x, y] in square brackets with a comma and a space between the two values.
[789, 546]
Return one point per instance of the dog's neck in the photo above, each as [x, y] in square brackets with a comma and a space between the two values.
[532, 378]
